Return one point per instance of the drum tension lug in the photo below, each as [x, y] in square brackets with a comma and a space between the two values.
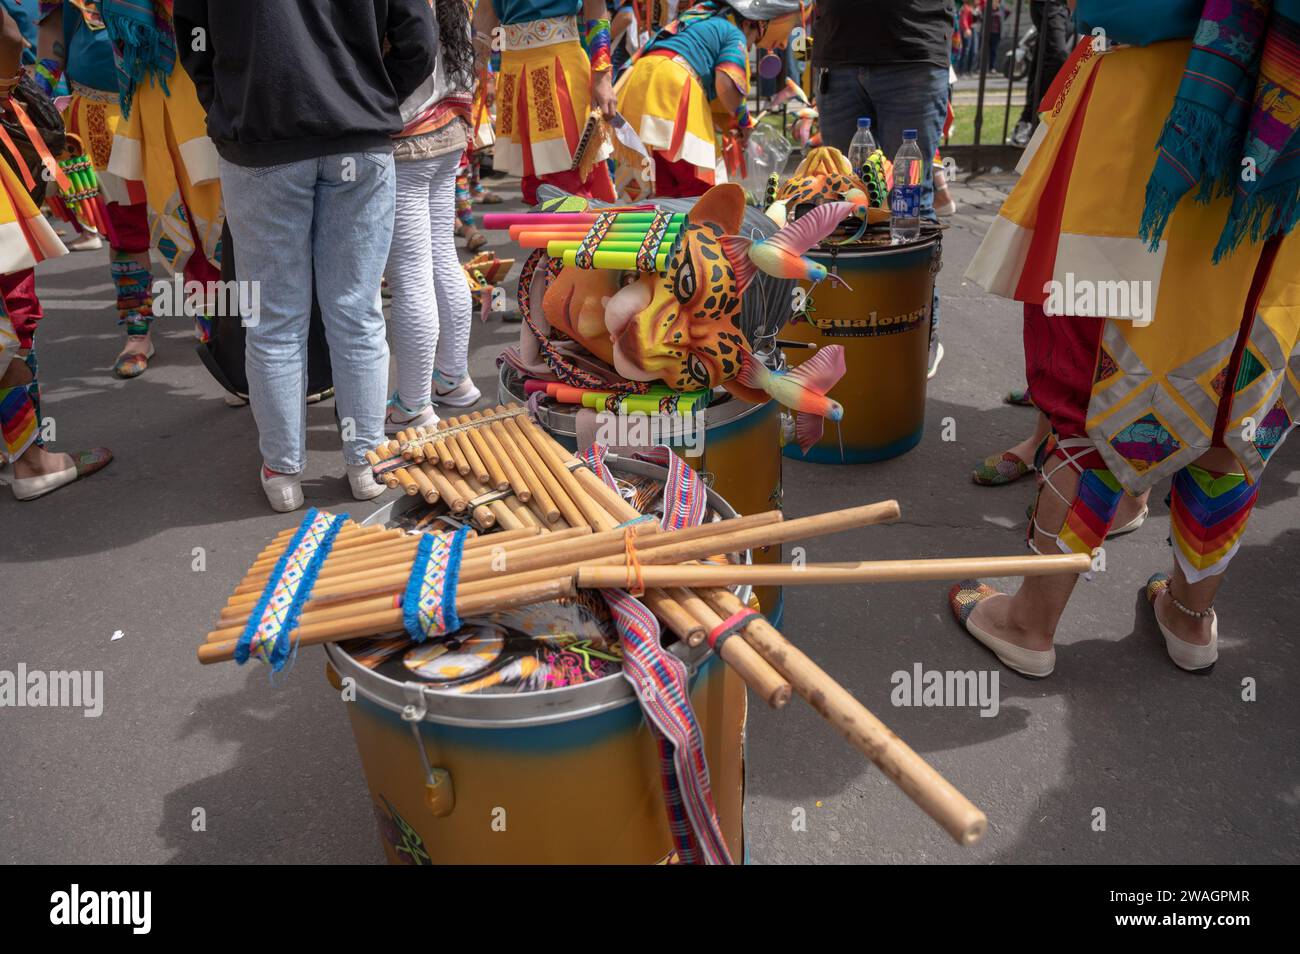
[439, 795]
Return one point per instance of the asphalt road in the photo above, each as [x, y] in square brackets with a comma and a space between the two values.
[1184, 768]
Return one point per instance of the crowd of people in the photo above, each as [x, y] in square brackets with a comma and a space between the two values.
[335, 147]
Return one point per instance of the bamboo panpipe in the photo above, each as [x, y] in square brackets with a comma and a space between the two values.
[877, 571]
[514, 478]
[381, 616]
[340, 595]
[548, 451]
[497, 478]
[538, 461]
[383, 553]
[340, 577]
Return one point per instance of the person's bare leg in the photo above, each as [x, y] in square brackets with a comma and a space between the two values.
[1026, 448]
[36, 460]
[1029, 617]
[1129, 507]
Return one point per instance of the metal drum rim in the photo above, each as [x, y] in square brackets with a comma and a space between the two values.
[850, 251]
[544, 707]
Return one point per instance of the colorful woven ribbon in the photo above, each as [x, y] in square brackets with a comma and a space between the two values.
[266, 637]
[654, 237]
[429, 605]
[662, 685]
[585, 256]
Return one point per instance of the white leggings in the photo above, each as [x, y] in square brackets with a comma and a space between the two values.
[431, 302]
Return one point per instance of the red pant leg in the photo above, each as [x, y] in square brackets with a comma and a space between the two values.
[130, 226]
[19, 290]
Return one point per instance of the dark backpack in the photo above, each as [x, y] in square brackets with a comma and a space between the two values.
[49, 125]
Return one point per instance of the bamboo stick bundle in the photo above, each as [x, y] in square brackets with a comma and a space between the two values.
[934, 794]
[531, 557]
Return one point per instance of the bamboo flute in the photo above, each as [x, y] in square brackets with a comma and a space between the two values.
[878, 571]
[933, 793]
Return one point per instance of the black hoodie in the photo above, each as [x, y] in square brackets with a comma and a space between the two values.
[284, 80]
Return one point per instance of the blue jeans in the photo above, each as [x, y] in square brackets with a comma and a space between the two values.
[335, 212]
[896, 96]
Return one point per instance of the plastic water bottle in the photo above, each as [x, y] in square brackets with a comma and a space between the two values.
[905, 197]
[862, 146]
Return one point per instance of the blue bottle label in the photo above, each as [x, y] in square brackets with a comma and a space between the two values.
[906, 201]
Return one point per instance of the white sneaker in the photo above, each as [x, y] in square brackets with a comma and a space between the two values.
[283, 491]
[399, 418]
[86, 242]
[235, 400]
[461, 394]
[364, 485]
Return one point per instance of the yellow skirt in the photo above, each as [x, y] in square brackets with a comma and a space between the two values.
[94, 118]
[543, 97]
[1070, 226]
[664, 102]
[25, 236]
[164, 144]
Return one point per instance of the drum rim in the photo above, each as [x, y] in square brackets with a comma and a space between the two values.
[522, 710]
[857, 250]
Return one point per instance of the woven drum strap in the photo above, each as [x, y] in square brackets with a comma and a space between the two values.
[595, 235]
[429, 604]
[266, 637]
[684, 492]
[662, 685]
[660, 679]
[654, 236]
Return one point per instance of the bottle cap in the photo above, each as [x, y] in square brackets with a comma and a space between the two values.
[909, 133]
[864, 122]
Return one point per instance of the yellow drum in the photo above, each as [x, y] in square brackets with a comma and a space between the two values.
[884, 325]
[556, 776]
[736, 448]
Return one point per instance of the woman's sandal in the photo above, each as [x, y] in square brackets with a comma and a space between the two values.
[1019, 397]
[962, 600]
[1000, 469]
[133, 364]
[1191, 657]
[84, 463]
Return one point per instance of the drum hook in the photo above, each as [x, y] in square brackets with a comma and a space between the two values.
[439, 796]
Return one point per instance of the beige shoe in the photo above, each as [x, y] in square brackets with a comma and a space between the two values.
[1034, 663]
[1192, 657]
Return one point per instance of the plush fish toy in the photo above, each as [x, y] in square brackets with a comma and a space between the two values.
[782, 255]
[802, 389]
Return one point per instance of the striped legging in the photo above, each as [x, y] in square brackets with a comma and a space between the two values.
[431, 306]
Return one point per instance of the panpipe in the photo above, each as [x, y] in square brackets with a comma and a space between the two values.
[658, 399]
[558, 527]
[624, 239]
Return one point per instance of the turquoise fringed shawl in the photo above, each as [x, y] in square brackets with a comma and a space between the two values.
[1232, 130]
